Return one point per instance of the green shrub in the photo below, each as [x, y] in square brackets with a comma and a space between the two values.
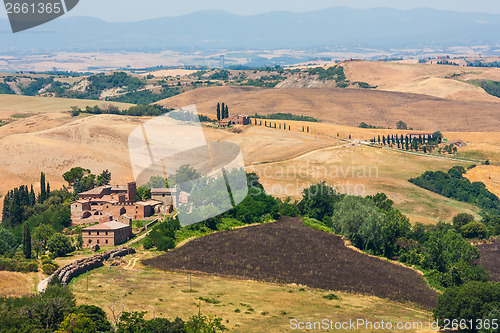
[49, 268]
[474, 230]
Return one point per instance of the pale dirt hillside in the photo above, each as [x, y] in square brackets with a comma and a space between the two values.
[100, 142]
[349, 107]
[96, 143]
[435, 80]
[54, 143]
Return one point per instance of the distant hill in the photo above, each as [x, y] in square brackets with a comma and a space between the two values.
[382, 28]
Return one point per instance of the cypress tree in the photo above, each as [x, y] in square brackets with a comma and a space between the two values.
[226, 112]
[222, 111]
[379, 139]
[218, 111]
[289, 128]
[42, 195]
[6, 206]
[48, 190]
[32, 196]
[26, 241]
[15, 209]
[307, 129]
[383, 139]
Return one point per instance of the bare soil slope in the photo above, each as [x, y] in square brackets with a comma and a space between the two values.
[349, 107]
[288, 252]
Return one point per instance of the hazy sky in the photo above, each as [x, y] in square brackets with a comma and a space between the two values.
[133, 10]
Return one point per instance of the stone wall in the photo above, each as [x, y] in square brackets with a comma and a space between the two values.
[70, 271]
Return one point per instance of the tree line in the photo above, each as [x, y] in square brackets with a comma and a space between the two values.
[154, 110]
[453, 184]
[424, 142]
[286, 116]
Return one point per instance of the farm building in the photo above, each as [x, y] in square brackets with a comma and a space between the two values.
[108, 203]
[107, 234]
[235, 120]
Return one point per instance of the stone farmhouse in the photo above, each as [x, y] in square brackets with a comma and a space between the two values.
[107, 203]
[235, 120]
[107, 234]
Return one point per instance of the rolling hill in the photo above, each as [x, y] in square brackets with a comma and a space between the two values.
[349, 107]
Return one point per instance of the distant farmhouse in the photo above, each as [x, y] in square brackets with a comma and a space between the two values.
[234, 120]
[108, 203]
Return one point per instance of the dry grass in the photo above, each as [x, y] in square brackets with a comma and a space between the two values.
[17, 284]
[487, 174]
[166, 295]
[349, 107]
[55, 143]
[362, 170]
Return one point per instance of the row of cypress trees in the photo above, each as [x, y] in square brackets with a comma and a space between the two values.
[222, 111]
[17, 199]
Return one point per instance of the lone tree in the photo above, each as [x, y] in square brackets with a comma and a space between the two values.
[401, 125]
[26, 241]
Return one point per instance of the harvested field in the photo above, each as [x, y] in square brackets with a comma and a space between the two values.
[287, 252]
[489, 259]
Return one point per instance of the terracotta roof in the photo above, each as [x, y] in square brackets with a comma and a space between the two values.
[119, 188]
[97, 190]
[113, 225]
